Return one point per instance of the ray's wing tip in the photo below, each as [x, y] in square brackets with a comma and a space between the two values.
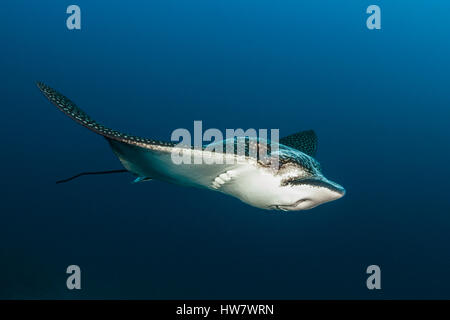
[42, 86]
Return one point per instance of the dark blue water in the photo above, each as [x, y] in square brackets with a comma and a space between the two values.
[378, 100]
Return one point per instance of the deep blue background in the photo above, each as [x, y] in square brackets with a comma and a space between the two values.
[378, 100]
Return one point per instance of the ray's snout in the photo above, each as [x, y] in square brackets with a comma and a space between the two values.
[311, 192]
[327, 190]
[322, 182]
[334, 188]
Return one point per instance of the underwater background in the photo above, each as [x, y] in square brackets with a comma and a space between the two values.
[378, 100]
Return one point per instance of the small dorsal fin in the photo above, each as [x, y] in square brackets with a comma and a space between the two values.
[141, 179]
[304, 141]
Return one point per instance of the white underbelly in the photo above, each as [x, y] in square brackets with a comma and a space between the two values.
[253, 185]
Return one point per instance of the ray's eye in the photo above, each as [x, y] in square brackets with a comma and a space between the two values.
[293, 180]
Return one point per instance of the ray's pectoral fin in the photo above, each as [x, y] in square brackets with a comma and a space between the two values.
[75, 113]
[304, 141]
[136, 154]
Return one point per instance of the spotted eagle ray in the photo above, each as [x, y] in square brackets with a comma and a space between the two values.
[297, 183]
